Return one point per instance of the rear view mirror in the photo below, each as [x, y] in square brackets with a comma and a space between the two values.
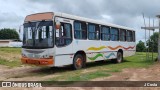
[20, 29]
[58, 26]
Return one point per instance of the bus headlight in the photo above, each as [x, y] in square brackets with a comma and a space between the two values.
[23, 55]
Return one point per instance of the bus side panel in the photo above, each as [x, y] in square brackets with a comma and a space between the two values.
[95, 50]
[110, 48]
[110, 55]
[88, 46]
[63, 60]
[102, 50]
[129, 49]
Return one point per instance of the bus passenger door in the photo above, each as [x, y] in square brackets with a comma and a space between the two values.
[64, 54]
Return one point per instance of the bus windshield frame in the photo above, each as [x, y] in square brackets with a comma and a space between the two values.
[38, 35]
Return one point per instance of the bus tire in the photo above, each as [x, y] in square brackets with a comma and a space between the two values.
[78, 62]
[119, 58]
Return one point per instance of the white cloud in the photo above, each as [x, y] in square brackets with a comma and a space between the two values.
[123, 12]
[107, 18]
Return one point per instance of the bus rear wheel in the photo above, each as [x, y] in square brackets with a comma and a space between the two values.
[119, 58]
[78, 62]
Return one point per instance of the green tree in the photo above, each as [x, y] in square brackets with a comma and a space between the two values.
[140, 47]
[7, 33]
[153, 43]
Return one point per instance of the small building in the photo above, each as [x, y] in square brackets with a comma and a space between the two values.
[10, 43]
[5, 43]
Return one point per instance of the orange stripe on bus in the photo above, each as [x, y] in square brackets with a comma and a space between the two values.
[40, 61]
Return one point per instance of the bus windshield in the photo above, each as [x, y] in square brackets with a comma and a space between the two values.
[38, 34]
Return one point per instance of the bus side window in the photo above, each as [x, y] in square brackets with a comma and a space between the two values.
[129, 36]
[114, 34]
[80, 30]
[134, 36]
[65, 35]
[105, 33]
[97, 32]
[122, 35]
[93, 32]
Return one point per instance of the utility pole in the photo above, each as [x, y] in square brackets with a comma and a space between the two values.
[152, 29]
[158, 16]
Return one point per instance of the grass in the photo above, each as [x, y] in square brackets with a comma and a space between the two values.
[87, 76]
[14, 63]
[10, 50]
[79, 75]
[82, 77]
[10, 56]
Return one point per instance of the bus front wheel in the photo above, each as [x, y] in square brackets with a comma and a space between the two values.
[78, 62]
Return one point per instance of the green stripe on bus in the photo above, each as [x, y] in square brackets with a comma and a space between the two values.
[95, 57]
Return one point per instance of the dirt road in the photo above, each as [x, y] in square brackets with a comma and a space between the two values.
[133, 74]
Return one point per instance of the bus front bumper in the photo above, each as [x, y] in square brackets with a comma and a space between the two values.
[41, 61]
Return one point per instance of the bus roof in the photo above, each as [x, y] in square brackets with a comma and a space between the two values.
[39, 16]
[90, 20]
[50, 15]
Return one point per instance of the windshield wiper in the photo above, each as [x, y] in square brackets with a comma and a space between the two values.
[38, 26]
[31, 25]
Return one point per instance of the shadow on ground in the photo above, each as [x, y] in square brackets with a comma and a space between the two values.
[52, 70]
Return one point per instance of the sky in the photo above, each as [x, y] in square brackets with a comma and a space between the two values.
[122, 12]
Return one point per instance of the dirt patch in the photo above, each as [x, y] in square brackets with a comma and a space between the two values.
[135, 74]
[2, 67]
[27, 73]
[32, 78]
[88, 70]
[7, 72]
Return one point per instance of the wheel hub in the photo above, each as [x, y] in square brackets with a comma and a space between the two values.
[79, 62]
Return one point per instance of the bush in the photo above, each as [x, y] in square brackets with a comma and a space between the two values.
[140, 47]
[7, 33]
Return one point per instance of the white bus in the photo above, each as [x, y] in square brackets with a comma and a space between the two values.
[58, 39]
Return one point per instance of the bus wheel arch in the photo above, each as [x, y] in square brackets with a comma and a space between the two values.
[79, 58]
